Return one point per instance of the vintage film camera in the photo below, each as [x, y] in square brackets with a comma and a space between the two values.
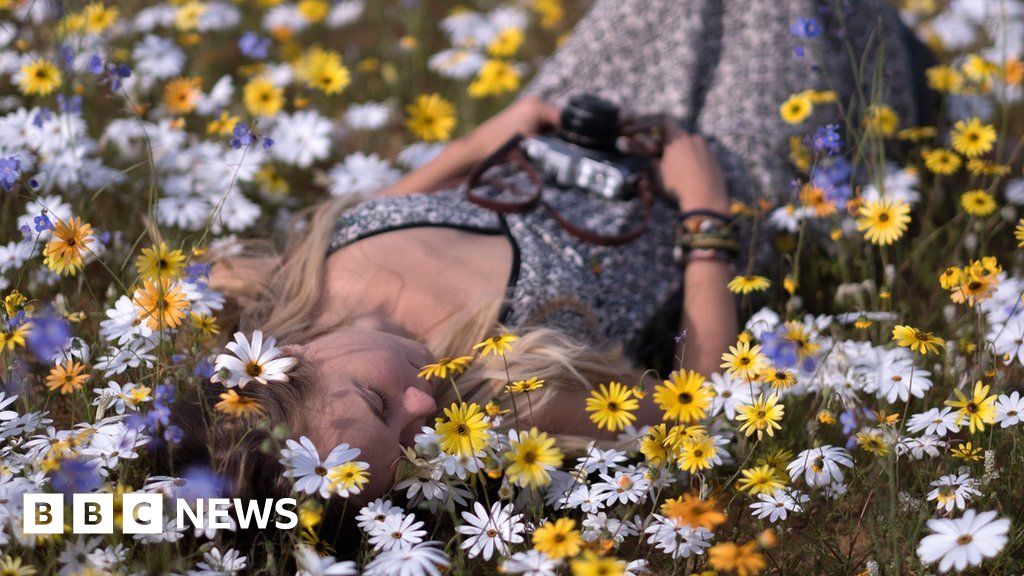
[584, 152]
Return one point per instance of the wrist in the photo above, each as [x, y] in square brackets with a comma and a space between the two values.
[714, 203]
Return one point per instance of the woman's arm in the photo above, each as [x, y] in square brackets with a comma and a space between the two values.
[691, 171]
[526, 116]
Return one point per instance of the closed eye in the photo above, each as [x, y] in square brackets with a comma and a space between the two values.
[377, 401]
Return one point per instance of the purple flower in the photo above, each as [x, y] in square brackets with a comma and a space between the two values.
[173, 434]
[204, 369]
[805, 28]
[26, 232]
[198, 272]
[49, 334]
[10, 172]
[42, 117]
[42, 222]
[242, 137]
[253, 46]
[827, 140]
[73, 104]
[267, 142]
[75, 475]
[833, 176]
[96, 64]
[66, 54]
[201, 482]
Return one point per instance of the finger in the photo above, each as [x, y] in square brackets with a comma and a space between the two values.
[547, 114]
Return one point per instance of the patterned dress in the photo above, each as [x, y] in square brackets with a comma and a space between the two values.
[597, 294]
[722, 67]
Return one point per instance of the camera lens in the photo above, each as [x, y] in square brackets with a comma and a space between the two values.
[591, 122]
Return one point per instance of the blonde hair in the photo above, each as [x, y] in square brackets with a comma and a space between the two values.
[283, 300]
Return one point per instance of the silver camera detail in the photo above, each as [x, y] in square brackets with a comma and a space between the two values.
[566, 165]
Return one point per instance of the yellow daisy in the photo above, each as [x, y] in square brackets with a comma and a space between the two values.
[431, 118]
[262, 97]
[237, 406]
[39, 78]
[684, 397]
[532, 455]
[749, 283]
[978, 203]
[761, 416]
[67, 377]
[796, 109]
[917, 340]
[558, 539]
[743, 361]
[182, 94]
[464, 431]
[941, 161]
[883, 221]
[497, 345]
[611, 406]
[972, 138]
[162, 304]
[63, 253]
[160, 263]
[761, 479]
[445, 367]
[978, 410]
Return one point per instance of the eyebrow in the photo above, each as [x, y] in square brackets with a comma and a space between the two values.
[364, 392]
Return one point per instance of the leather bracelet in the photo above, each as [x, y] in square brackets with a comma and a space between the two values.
[706, 214]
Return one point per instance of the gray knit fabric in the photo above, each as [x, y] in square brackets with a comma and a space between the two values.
[723, 67]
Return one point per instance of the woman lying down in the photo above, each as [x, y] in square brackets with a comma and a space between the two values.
[404, 311]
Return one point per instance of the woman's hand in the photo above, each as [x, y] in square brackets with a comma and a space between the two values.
[527, 116]
[691, 173]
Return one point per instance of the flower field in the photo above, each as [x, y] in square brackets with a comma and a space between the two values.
[867, 421]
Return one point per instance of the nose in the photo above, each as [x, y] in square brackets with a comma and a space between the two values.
[418, 404]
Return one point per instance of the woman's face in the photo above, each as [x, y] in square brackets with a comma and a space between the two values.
[369, 397]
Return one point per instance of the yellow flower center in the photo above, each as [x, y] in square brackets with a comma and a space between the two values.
[253, 369]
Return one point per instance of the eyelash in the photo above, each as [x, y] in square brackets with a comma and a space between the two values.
[384, 403]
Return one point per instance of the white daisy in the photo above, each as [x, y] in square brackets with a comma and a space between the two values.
[309, 563]
[301, 138]
[257, 360]
[820, 466]
[962, 542]
[588, 498]
[677, 540]
[222, 563]
[777, 505]
[729, 393]
[530, 563]
[1009, 409]
[936, 421]
[918, 448]
[398, 532]
[368, 115]
[361, 173]
[303, 462]
[372, 516]
[625, 486]
[953, 491]
[345, 12]
[488, 532]
[598, 460]
[424, 559]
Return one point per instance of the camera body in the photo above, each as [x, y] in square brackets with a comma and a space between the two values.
[583, 153]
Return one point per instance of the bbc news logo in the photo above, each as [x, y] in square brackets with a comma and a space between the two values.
[143, 513]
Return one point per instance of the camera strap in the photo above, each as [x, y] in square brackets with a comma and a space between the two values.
[511, 152]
